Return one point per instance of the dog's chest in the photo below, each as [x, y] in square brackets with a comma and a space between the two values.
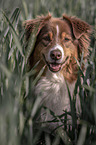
[53, 92]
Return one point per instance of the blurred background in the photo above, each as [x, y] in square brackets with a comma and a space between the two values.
[18, 106]
[84, 9]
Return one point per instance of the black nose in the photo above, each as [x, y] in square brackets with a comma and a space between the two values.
[55, 54]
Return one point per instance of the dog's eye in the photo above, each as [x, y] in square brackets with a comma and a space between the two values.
[66, 39]
[46, 40]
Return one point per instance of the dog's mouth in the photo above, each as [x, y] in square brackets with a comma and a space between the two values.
[54, 66]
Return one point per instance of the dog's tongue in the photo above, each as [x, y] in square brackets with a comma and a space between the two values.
[55, 67]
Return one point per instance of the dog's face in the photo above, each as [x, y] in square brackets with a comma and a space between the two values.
[59, 43]
[56, 45]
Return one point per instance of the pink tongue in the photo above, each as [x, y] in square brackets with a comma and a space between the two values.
[55, 66]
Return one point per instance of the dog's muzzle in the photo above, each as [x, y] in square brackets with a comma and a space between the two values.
[55, 59]
[55, 66]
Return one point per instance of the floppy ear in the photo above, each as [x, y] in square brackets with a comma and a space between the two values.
[39, 22]
[80, 30]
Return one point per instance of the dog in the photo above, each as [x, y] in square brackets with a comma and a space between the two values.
[60, 43]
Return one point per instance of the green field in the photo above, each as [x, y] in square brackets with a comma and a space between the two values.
[18, 106]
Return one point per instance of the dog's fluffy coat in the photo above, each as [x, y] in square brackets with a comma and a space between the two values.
[60, 42]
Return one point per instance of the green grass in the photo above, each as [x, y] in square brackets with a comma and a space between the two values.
[18, 105]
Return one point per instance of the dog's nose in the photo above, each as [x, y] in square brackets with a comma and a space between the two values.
[55, 54]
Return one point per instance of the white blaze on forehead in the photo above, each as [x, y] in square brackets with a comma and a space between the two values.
[57, 46]
[57, 28]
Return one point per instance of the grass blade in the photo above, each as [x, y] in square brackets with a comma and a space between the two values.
[25, 8]
[13, 18]
[82, 135]
[16, 39]
[38, 76]
[31, 44]
[5, 70]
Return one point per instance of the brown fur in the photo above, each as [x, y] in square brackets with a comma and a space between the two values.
[73, 28]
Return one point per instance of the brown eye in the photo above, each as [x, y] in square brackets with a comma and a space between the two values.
[66, 39]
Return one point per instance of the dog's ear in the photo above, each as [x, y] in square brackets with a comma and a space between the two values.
[80, 30]
[39, 22]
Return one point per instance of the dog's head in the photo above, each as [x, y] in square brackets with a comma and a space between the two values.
[60, 42]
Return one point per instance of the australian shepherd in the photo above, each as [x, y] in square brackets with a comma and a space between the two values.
[59, 45]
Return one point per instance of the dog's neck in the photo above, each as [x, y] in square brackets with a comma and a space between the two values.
[53, 90]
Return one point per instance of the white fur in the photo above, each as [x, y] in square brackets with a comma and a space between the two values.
[57, 28]
[54, 95]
